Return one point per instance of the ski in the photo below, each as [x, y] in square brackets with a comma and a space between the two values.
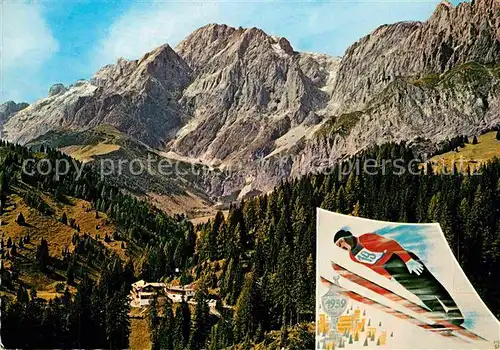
[446, 325]
[361, 299]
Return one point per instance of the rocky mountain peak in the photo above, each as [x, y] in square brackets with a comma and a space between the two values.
[57, 89]
[452, 36]
[281, 44]
[247, 83]
[203, 43]
[445, 5]
[138, 97]
[163, 65]
[215, 40]
[7, 109]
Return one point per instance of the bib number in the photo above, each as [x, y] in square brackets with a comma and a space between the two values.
[368, 257]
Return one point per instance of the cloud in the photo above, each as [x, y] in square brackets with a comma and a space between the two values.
[321, 26]
[26, 44]
[144, 27]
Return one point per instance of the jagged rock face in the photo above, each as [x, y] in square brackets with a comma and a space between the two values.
[8, 108]
[249, 90]
[138, 97]
[452, 36]
[321, 69]
[464, 101]
[51, 113]
[412, 80]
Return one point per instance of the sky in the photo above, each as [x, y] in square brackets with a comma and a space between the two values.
[60, 41]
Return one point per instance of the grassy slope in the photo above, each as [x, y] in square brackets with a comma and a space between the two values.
[487, 148]
[140, 336]
[57, 234]
[86, 153]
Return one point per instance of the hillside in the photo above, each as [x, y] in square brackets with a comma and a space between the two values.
[261, 257]
[70, 243]
[58, 235]
[471, 155]
[119, 156]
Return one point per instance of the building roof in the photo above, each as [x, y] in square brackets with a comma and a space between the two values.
[142, 284]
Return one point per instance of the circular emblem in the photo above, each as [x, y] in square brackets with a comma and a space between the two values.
[334, 304]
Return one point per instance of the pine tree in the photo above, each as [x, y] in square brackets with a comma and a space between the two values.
[117, 322]
[244, 317]
[13, 250]
[200, 326]
[163, 335]
[341, 200]
[42, 255]
[474, 140]
[351, 190]
[33, 293]
[70, 273]
[330, 201]
[498, 135]
[182, 330]
[284, 337]
[357, 209]
[22, 295]
[64, 219]
[20, 219]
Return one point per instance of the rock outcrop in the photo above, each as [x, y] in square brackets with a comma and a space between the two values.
[57, 89]
[451, 37]
[139, 98]
[8, 108]
[249, 90]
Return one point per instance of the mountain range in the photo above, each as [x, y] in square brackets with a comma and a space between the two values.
[241, 99]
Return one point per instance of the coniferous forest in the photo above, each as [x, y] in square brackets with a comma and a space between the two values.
[258, 262]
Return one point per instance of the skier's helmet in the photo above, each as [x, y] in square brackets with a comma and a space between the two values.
[341, 234]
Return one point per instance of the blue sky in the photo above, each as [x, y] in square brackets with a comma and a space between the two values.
[51, 41]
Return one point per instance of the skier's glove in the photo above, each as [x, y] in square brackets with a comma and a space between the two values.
[415, 267]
